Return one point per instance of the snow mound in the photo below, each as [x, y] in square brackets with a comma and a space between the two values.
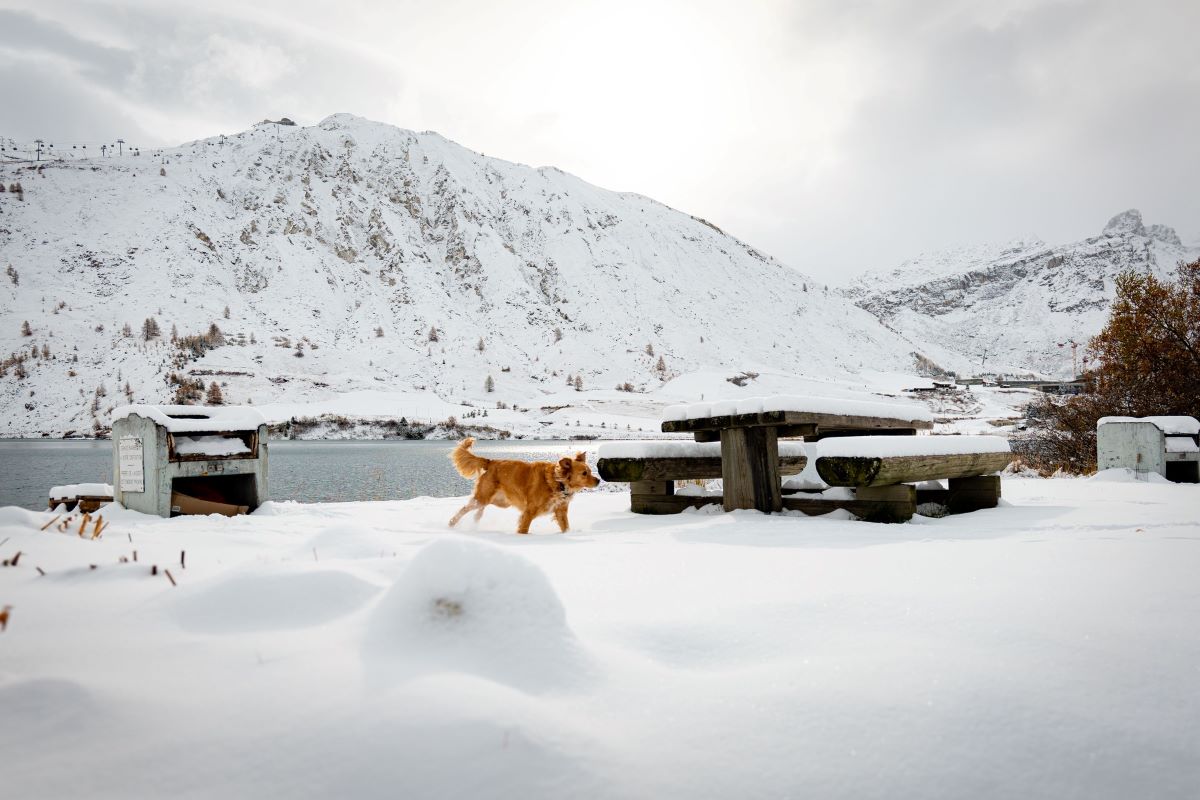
[350, 541]
[264, 602]
[465, 606]
[903, 446]
[1126, 475]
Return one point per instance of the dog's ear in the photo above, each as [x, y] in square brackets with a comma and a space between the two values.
[581, 456]
[565, 466]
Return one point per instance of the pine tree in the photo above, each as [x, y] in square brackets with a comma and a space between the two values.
[25, 329]
[578, 383]
[480, 346]
[489, 385]
[214, 396]
[649, 349]
[433, 334]
[127, 330]
[661, 366]
[150, 329]
[379, 332]
[226, 312]
[558, 334]
[45, 351]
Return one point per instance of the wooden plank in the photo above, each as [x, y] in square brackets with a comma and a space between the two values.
[707, 436]
[659, 469]
[750, 469]
[866, 471]
[660, 488]
[785, 418]
[871, 511]
[896, 503]
[668, 504]
[831, 433]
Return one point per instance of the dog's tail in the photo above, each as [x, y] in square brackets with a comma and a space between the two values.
[467, 463]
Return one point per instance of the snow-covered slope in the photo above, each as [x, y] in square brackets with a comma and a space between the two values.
[356, 239]
[1006, 309]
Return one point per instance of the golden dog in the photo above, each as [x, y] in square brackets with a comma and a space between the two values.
[532, 487]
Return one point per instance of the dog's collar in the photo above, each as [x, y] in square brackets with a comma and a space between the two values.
[562, 488]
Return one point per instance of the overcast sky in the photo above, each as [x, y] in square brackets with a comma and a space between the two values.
[839, 135]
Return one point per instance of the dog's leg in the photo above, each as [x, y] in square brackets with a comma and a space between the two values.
[471, 504]
[479, 511]
[560, 514]
[526, 519]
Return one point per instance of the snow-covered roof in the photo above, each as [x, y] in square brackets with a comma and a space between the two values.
[193, 419]
[892, 446]
[1172, 426]
[811, 405]
[670, 449]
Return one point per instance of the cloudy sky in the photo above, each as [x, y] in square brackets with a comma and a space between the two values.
[839, 135]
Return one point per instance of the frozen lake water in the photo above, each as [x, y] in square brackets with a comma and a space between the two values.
[310, 471]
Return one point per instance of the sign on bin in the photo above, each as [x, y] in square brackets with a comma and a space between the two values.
[130, 450]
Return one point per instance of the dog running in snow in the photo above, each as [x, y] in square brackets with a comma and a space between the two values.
[532, 487]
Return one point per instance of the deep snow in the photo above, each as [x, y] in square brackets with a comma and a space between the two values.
[1045, 648]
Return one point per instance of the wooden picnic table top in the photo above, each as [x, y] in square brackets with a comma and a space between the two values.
[797, 420]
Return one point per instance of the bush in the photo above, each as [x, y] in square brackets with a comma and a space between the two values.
[1147, 363]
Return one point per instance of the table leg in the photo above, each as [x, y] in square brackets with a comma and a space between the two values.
[750, 468]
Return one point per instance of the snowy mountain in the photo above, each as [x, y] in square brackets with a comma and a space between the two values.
[1007, 309]
[395, 271]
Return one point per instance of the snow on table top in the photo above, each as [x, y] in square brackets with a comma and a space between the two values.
[805, 404]
[210, 418]
[896, 446]
[82, 490]
[1182, 444]
[1180, 426]
[670, 449]
[209, 446]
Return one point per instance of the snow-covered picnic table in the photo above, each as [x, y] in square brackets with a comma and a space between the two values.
[749, 431]
[870, 447]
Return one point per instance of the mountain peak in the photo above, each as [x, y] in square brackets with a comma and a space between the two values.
[1125, 223]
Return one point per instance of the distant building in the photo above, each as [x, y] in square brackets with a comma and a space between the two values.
[1169, 446]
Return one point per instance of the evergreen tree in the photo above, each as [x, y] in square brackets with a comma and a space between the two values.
[489, 385]
[25, 329]
[214, 396]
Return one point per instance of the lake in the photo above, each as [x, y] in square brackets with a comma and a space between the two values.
[308, 471]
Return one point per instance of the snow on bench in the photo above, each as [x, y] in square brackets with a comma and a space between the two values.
[87, 497]
[680, 449]
[903, 412]
[869, 461]
[73, 490]
[905, 446]
[635, 462]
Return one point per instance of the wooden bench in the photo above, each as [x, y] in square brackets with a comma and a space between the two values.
[880, 473]
[651, 469]
[883, 471]
[87, 497]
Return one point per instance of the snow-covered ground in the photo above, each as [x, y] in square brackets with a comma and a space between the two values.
[1045, 648]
